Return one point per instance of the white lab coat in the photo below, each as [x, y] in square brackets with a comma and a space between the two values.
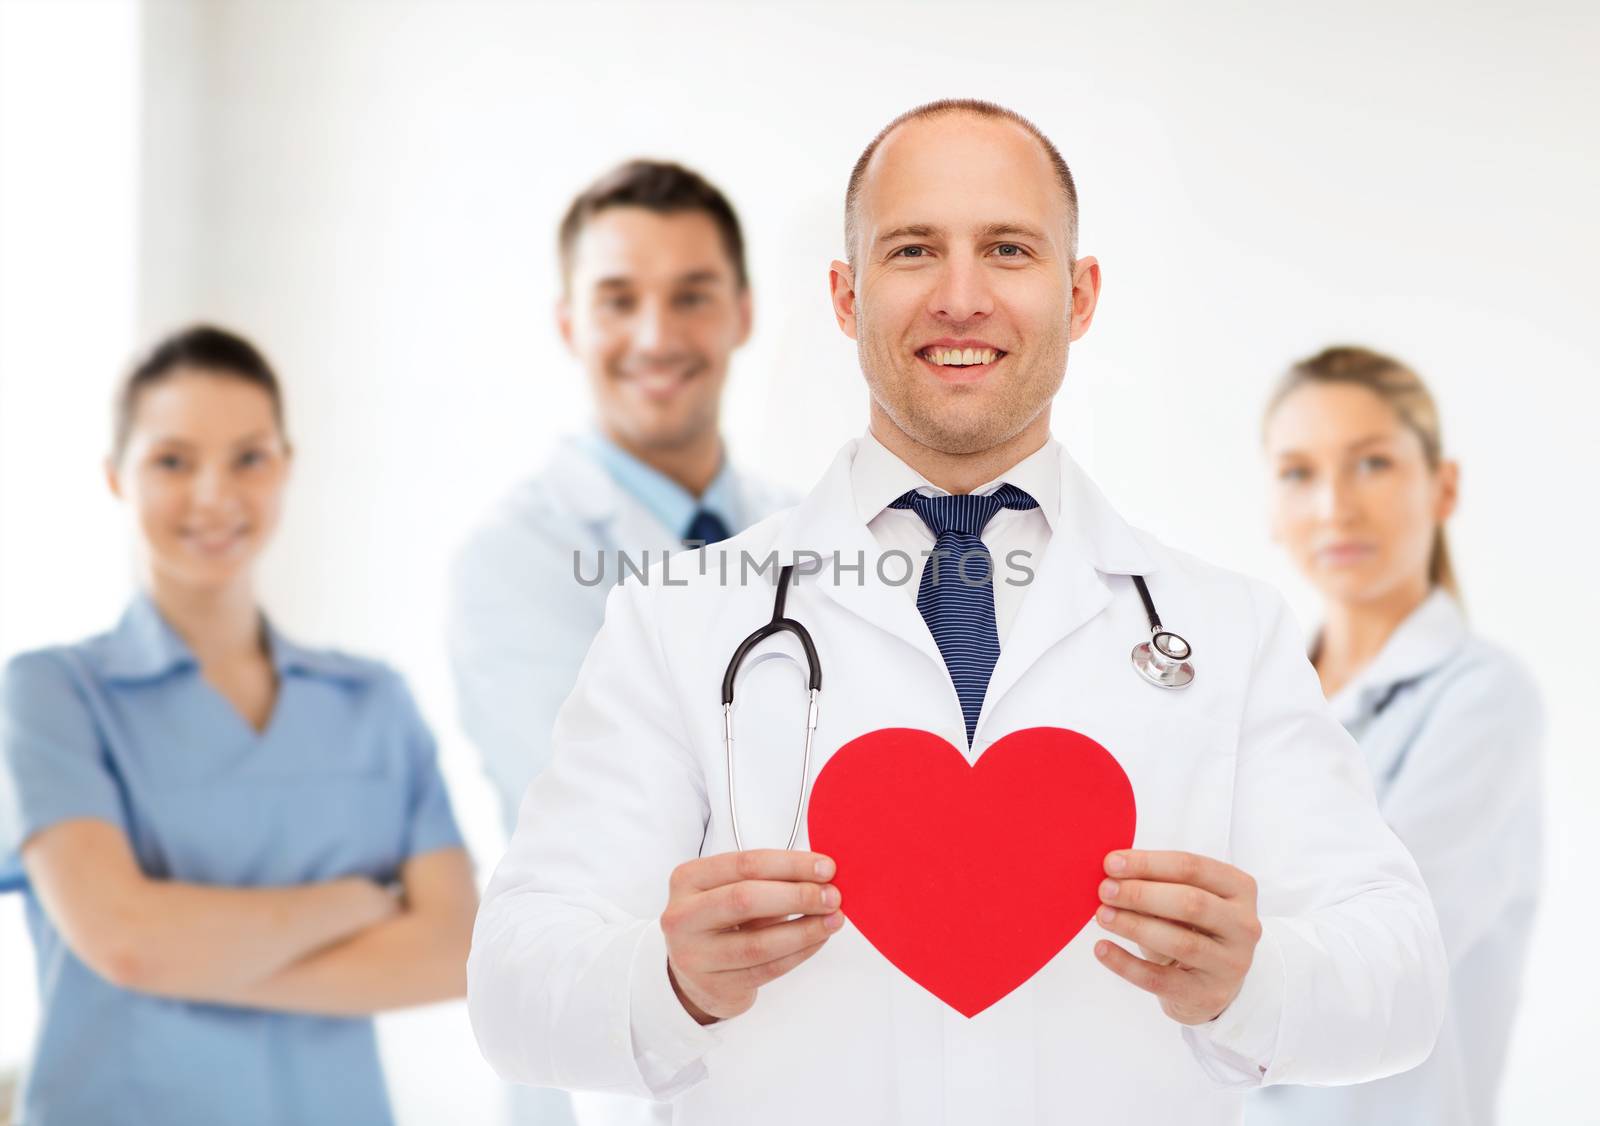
[520, 623]
[1450, 726]
[567, 977]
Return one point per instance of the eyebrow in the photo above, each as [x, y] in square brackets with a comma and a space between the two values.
[693, 277]
[1018, 230]
[185, 443]
[991, 230]
[1370, 439]
[911, 230]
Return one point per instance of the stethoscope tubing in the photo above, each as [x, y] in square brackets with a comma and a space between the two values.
[1150, 660]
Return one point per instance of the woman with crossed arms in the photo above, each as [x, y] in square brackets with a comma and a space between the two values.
[235, 849]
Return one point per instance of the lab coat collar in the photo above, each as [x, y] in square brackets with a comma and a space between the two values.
[1429, 637]
[1090, 540]
[878, 478]
[144, 647]
[594, 496]
[669, 502]
[583, 483]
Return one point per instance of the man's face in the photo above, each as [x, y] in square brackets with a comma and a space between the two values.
[963, 294]
[654, 312]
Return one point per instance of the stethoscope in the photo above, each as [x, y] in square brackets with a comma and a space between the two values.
[1164, 661]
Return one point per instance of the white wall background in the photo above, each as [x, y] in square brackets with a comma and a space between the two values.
[370, 190]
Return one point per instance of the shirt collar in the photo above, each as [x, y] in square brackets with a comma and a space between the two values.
[878, 477]
[1428, 637]
[669, 502]
[143, 646]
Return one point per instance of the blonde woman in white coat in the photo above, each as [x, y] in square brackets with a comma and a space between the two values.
[1449, 723]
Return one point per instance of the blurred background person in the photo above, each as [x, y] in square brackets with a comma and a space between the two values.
[1449, 723]
[655, 300]
[234, 848]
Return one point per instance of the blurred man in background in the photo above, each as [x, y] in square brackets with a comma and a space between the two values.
[655, 301]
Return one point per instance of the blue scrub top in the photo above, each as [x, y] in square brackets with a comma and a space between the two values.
[344, 781]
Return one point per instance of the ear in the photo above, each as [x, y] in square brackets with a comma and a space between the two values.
[747, 316]
[1447, 483]
[564, 321]
[113, 478]
[842, 291]
[1085, 296]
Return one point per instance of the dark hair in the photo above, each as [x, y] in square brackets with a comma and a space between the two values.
[202, 348]
[977, 108]
[1404, 392]
[659, 186]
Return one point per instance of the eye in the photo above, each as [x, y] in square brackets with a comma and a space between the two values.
[617, 303]
[169, 461]
[691, 299]
[1294, 474]
[249, 459]
[910, 252]
[1374, 463]
[1010, 250]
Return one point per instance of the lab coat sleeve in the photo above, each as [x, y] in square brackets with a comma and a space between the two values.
[518, 629]
[1466, 800]
[567, 981]
[1348, 981]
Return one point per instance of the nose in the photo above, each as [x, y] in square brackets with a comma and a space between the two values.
[213, 487]
[962, 292]
[1336, 500]
[650, 329]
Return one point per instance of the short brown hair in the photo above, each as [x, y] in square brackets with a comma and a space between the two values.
[1404, 392]
[660, 186]
[978, 108]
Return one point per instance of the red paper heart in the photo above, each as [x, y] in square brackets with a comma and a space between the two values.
[970, 878]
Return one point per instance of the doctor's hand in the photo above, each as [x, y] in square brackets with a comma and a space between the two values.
[1194, 920]
[729, 929]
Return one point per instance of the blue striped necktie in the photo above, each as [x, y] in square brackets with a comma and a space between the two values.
[956, 596]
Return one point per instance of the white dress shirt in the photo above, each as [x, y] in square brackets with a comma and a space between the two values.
[1450, 727]
[1016, 537]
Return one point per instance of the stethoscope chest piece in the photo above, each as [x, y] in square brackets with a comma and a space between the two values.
[1164, 660]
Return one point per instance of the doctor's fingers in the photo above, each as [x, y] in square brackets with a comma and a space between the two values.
[1189, 948]
[742, 950]
[749, 900]
[708, 872]
[754, 977]
[1182, 868]
[1181, 903]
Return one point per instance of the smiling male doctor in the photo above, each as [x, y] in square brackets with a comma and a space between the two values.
[1284, 931]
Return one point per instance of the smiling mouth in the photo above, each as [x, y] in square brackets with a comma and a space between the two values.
[960, 357]
[213, 542]
[660, 384]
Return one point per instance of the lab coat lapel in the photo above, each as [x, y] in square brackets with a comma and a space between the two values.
[826, 523]
[619, 522]
[1068, 590]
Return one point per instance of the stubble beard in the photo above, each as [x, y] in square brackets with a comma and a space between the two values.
[984, 419]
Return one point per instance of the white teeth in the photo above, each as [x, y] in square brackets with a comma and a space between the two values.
[960, 357]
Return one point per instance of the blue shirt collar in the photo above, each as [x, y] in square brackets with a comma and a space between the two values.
[143, 646]
[669, 502]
